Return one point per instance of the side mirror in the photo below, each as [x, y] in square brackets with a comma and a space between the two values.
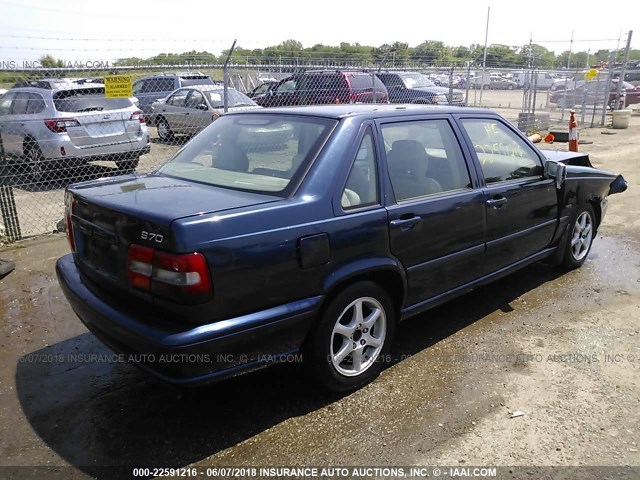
[555, 170]
[619, 185]
[202, 106]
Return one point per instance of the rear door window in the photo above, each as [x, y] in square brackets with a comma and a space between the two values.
[424, 158]
[20, 103]
[162, 84]
[5, 103]
[364, 81]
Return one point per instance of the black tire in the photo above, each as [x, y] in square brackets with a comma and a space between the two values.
[372, 341]
[509, 87]
[579, 237]
[164, 130]
[128, 165]
[35, 165]
[485, 87]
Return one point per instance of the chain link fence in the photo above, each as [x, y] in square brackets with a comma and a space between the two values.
[57, 127]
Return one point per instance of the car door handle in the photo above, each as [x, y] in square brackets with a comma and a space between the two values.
[496, 202]
[405, 223]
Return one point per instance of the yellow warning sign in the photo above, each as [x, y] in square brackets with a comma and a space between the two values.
[591, 74]
[118, 86]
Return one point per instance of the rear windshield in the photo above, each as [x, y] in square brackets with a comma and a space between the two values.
[87, 100]
[366, 81]
[195, 80]
[260, 153]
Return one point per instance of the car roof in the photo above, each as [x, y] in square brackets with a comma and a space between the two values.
[366, 110]
[206, 87]
[58, 88]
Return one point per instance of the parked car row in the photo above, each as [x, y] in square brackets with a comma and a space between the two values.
[593, 93]
[334, 86]
[493, 81]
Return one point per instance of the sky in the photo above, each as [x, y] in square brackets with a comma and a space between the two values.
[101, 30]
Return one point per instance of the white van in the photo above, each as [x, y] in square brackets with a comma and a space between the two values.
[541, 80]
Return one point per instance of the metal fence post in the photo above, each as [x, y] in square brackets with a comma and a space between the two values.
[7, 202]
[225, 78]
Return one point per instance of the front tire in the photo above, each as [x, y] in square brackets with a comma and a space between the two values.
[579, 238]
[351, 342]
[164, 130]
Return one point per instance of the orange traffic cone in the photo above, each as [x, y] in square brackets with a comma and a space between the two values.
[573, 132]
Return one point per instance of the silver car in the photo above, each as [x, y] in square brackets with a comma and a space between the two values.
[188, 110]
[62, 122]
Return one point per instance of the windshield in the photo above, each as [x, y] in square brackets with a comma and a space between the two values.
[254, 152]
[416, 80]
[236, 99]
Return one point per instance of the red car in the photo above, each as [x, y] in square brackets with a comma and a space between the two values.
[595, 94]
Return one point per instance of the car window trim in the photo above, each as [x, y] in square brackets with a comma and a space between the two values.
[477, 181]
[459, 118]
[367, 127]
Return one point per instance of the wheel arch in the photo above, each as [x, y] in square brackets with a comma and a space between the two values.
[596, 204]
[28, 142]
[386, 273]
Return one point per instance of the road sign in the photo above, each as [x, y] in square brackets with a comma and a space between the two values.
[118, 86]
[591, 74]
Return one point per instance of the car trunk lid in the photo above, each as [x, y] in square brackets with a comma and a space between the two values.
[107, 216]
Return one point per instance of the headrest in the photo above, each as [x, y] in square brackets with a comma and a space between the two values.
[408, 157]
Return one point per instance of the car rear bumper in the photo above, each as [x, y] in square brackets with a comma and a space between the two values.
[185, 354]
[51, 150]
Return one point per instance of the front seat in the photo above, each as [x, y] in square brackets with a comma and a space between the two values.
[408, 164]
[229, 156]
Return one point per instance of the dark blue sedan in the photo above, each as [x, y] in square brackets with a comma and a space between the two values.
[251, 247]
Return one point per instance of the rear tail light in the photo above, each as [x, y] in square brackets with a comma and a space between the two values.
[68, 211]
[182, 278]
[60, 125]
[138, 115]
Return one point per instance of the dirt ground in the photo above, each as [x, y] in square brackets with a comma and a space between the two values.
[563, 348]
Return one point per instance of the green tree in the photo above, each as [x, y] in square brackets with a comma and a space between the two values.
[47, 61]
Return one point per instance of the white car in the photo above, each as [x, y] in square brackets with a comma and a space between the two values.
[188, 110]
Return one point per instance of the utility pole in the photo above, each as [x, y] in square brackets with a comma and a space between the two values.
[225, 78]
[484, 60]
[622, 72]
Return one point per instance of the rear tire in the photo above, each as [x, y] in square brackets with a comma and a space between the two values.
[35, 163]
[351, 342]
